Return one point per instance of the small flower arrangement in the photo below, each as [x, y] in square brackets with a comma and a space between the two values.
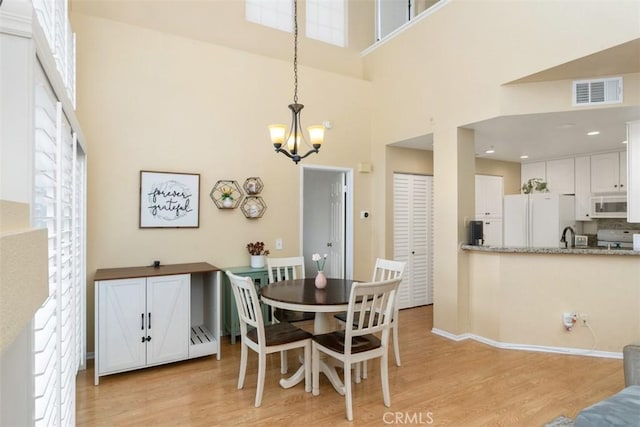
[320, 261]
[257, 248]
[226, 193]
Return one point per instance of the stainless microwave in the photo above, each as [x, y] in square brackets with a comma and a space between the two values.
[608, 206]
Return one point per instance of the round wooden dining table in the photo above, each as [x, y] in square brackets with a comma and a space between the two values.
[302, 295]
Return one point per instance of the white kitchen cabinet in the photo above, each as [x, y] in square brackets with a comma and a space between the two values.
[146, 316]
[413, 237]
[609, 172]
[489, 192]
[533, 170]
[561, 176]
[583, 188]
[492, 229]
[633, 154]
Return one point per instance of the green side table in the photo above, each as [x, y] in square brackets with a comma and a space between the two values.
[230, 320]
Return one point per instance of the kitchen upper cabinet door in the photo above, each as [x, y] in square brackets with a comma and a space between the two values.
[561, 176]
[605, 173]
[121, 325]
[168, 323]
[533, 170]
[622, 171]
[489, 193]
[583, 188]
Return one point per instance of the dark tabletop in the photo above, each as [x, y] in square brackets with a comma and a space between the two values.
[304, 291]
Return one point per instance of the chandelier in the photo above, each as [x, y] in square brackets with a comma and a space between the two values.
[295, 136]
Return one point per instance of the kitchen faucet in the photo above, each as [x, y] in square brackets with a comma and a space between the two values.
[568, 243]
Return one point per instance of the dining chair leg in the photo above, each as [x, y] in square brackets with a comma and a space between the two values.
[307, 368]
[284, 366]
[396, 343]
[262, 366]
[243, 365]
[315, 369]
[364, 370]
[347, 389]
[384, 377]
[358, 370]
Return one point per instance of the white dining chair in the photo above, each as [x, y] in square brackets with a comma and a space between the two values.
[359, 341]
[384, 269]
[287, 268]
[264, 339]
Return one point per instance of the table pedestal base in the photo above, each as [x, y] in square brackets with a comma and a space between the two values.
[322, 324]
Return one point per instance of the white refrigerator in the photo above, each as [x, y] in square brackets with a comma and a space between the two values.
[537, 220]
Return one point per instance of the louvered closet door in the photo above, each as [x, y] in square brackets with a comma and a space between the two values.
[413, 243]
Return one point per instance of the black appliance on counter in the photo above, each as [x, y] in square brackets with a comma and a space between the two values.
[476, 233]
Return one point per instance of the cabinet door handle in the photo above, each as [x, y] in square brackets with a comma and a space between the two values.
[147, 339]
[143, 340]
[621, 185]
[615, 186]
[149, 322]
[142, 323]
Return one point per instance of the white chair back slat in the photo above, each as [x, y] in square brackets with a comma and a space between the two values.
[374, 303]
[289, 268]
[248, 305]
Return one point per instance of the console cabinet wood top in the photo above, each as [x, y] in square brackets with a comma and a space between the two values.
[151, 271]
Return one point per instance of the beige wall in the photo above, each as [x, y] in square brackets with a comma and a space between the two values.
[449, 70]
[222, 22]
[520, 298]
[152, 101]
[510, 171]
[149, 100]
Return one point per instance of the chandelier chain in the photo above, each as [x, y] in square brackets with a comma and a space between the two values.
[295, 51]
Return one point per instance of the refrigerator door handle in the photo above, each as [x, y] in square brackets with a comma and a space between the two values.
[529, 221]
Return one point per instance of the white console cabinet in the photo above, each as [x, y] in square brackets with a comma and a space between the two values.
[148, 316]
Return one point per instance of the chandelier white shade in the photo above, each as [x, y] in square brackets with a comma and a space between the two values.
[295, 137]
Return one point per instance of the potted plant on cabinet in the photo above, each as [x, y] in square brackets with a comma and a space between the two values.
[258, 252]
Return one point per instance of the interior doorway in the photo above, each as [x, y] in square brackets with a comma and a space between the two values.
[327, 219]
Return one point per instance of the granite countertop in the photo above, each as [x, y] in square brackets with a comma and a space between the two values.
[579, 251]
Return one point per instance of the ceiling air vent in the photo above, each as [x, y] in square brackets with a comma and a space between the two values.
[597, 91]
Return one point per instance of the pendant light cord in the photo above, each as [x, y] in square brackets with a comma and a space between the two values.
[295, 51]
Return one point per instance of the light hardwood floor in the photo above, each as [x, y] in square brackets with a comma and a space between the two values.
[440, 383]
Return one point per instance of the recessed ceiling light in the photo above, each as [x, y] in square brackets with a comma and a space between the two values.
[489, 151]
[624, 142]
[594, 132]
[524, 156]
[566, 125]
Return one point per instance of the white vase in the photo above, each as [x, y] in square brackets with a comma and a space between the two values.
[227, 202]
[257, 261]
[321, 280]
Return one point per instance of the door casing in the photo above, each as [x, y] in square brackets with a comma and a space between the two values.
[347, 255]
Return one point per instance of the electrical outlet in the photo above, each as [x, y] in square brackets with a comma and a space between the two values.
[584, 319]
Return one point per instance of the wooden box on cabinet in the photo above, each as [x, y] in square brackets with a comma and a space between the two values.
[147, 316]
[260, 278]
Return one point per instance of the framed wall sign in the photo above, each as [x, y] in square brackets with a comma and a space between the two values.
[169, 200]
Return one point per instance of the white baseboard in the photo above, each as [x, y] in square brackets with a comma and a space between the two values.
[529, 347]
